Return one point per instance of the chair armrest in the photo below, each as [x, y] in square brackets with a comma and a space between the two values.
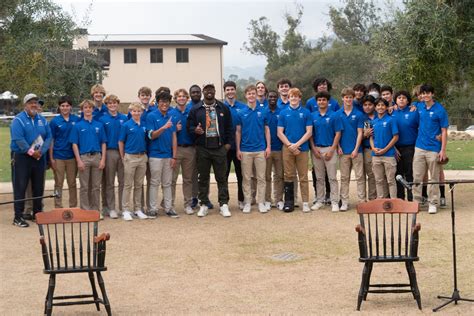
[102, 237]
[360, 229]
[414, 240]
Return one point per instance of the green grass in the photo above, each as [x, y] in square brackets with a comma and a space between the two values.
[460, 153]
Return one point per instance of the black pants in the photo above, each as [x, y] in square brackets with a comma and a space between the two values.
[217, 158]
[232, 157]
[24, 169]
[405, 168]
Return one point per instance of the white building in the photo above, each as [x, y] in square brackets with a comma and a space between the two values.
[155, 60]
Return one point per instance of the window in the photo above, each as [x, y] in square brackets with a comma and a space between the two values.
[130, 56]
[156, 55]
[103, 55]
[182, 55]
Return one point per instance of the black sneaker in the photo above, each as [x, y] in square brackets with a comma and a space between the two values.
[172, 213]
[210, 205]
[20, 222]
[28, 216]
[152, 214]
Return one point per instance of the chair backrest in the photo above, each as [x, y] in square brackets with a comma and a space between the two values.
[67, 238]
[388, 226]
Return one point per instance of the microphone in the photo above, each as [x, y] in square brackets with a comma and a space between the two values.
[403, 182]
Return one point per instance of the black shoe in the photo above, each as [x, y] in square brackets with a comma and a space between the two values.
[172, 213]
[210, 205]
[28, 216]
[20, 222]
[152, 214]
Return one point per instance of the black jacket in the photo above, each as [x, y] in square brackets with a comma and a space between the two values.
[198, 115]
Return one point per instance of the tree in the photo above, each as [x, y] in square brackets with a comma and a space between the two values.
[37, 56]
[353, 23]
[263, 41]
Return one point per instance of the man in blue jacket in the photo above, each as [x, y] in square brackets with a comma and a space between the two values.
[30, 141]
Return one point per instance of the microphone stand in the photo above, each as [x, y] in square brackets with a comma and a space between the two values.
[455, 297]
[55, 194]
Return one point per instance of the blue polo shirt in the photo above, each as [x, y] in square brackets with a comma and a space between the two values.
[384, 130]
[282, 105]
[25, 130]
[407, 123]
[272, 117]
[234, 111]
[325, 127]
[133, 135]
[431, 122]
[312, 104]
[60, 131]
[358, 105]
[161, 147]
[263, 104]
[368, 122]
[112, 126]
[184, 138]
[294, 122]
[350, 124]
[96, 113]
[252, 123]
[88, 136]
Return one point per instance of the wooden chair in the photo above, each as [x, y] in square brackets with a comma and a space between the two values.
[69, 244]
[388, 232]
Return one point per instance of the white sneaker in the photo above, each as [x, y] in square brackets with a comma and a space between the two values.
[140, 215]
[306, 208]
[247, 208]
[335, 207]
[224, 210]
[268, 205]
[101, 216]
[241, 205]
[317, 206]
[280, 205]
[262, 208]
[202, 211]
[189, 210]
[113, 214]
[432, 209]
[344, 207]
[127, 216]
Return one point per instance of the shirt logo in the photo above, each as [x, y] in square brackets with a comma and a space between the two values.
[431, 114]
[278, 116]
[121, 121]
[40, 123]
[59, 126]
[328, 119]
[259, 114]
[406, 116]
[353, 117]
[73, 123]
[97, 130]
[301, 115]
[384, 124]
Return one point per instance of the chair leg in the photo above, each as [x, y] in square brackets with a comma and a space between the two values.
[46, 301]
[363, 285]
[416, 291]
[94, 290]
[51, 286]
[368, 281]
[104, 293]
[410, 277]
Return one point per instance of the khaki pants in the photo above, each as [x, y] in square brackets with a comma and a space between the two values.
[426, 160]
[134, 172]
[161, 174]
[90, 180]
[346, 164]
[275, 162]
[299, 163]
[253, 161]
[321, 166]
[66, 167]
[384, 169]
[369, 174]
[186, 161]
[113, 166]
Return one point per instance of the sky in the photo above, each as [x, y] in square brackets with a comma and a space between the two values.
[226, 20]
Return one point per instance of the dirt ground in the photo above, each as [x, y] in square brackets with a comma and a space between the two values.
[217, 265]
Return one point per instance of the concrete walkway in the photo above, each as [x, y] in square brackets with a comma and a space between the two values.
[6, 187]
